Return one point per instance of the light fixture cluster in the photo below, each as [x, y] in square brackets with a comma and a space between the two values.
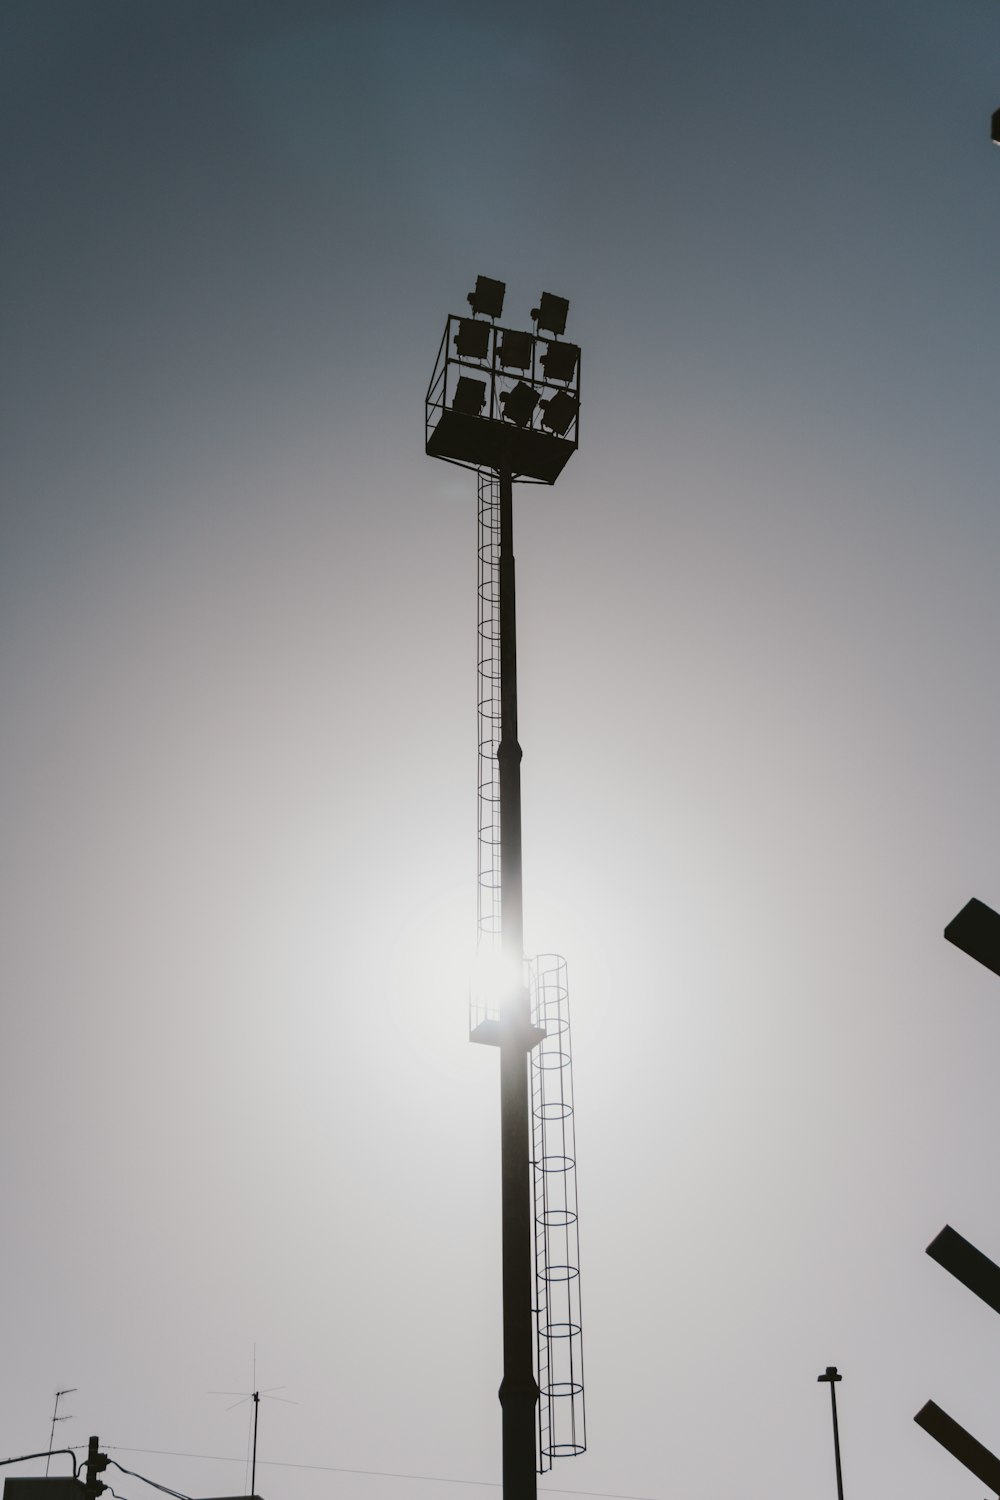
[514, 352]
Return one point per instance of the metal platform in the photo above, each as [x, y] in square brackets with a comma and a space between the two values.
[484, 444]
[488, 438]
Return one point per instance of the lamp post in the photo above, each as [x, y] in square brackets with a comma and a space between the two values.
[831, 1377]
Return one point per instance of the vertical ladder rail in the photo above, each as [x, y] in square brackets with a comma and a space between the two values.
[483, 1001]
[541, 1286]
[562, 1427]
[560, 1422]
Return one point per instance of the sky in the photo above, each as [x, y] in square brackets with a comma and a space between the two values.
[759, 622]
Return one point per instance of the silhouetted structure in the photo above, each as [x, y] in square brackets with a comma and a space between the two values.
[254, 1396]
[976, 930]
[960, 1444]
[968, 1265]
[505, 402]
[831, 1377]
[66, 1417]
[56, 1487]
[995, 124]
[63, 1487]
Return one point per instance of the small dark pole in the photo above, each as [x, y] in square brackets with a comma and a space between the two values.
[95, 1463]
[253, 1471]
[830, 1376]
[518, 1389]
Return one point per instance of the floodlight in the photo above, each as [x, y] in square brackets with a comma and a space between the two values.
[960, 1444]
[519, 404]
[996, 127]
[515, 350]
[470, 396]
[472, 339]
[559, 361]
[976, 930]
[967, 1264]
[551, 313]
[560, 412]
[488, 297]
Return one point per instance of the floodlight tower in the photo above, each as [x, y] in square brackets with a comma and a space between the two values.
[506, 402]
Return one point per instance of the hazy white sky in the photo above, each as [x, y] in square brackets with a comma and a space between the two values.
[759, 630]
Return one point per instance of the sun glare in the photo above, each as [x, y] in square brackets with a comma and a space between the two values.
[495, 978]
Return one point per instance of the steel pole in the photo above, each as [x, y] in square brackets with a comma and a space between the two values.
[253, 1471]
[518, 1389]
[836, 1440]
[831, 1376]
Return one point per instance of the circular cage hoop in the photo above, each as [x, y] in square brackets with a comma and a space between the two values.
[564, 1450]
[557, 1163]
[553, 1111]
[551, 1022]
[562, 1330]
[559, 1273]
[563, 1389]
[552, 1059]
[556, 1218]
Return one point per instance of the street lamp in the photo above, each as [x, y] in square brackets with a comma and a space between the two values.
[831, 1377]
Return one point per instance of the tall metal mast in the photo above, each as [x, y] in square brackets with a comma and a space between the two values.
[507, 402]
[518, 1389]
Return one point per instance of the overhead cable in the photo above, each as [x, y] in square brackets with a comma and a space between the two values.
[165, 1488]
[277, 1463]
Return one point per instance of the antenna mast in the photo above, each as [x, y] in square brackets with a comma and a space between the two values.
[255, 1397]
[57, 1418]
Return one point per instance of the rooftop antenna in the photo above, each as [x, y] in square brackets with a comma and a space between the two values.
[505, 403]
[254, 1396]
[57, 1418]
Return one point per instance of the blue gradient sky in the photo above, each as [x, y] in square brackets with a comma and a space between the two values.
[759, 633]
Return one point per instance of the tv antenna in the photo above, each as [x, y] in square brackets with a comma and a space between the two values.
[254, 1396]
[57, 1418]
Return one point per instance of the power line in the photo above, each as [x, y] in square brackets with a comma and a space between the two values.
[155, 1485]
[48, 1453]
[277, 1463]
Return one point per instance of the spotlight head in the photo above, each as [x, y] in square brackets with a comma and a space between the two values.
[519, 404]
[515, 350]
[551, 313]
[996, 127]
[472, 339]
[488, 297]
[559, 361]
[559, 413]
[469, 397]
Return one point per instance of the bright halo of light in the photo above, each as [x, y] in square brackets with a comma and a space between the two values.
[495, 978]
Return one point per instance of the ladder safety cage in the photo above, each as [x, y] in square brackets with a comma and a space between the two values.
[484, 993]
[561, 1423]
